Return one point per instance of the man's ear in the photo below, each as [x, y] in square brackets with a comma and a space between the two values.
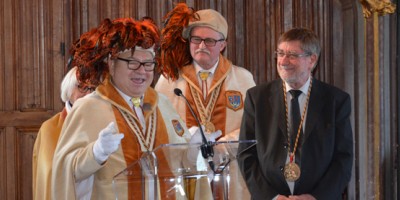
[110, 63]
[313, 60]
[223, 45]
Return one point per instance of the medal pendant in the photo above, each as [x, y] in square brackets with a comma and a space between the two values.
[291, 172]
[209, 127]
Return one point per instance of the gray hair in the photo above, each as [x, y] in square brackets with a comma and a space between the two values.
[308, 39]
[68, 84]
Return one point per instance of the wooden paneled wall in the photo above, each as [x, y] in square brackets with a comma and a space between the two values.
[31, 67]
[35, 36]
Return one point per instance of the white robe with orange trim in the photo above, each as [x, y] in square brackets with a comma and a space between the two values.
[74, 160]
[234, 79]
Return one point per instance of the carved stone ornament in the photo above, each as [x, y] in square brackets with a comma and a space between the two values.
[382, 7]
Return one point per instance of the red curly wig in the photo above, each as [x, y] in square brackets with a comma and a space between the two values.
[90, 51]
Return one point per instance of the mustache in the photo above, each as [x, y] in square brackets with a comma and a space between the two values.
[202, 51]
[284, 66]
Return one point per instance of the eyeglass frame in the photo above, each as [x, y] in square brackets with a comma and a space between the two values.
[140, 64]
[291, 56]
[213, 41]
[84, 89]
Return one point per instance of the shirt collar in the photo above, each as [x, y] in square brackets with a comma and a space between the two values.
[212, 70]
[127, 98]
[304, 88]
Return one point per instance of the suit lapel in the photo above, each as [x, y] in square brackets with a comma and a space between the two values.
[317, 102]
[278, 106]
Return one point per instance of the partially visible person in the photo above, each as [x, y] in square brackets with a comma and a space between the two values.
[192, 46]
[302, 126]
[124, 118]
[49, 132]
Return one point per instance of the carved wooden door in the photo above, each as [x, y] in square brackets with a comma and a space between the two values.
[32, 64]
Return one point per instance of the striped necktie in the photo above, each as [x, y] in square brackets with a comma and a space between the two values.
[203, 76]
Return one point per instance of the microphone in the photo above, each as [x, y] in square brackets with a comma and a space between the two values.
[206, 148]
[178, 92]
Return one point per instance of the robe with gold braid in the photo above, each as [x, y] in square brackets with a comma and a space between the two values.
[232, 82]
[74, 160]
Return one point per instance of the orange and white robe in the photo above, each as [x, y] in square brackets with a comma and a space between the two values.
[74, 160]
[43, 151]
[223, 105]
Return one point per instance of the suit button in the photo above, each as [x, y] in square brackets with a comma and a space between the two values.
[285, 145]
[281, 168]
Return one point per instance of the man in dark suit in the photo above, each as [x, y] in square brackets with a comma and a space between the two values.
[304, 144]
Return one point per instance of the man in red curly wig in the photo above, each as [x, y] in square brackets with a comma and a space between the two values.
[112, 127]
[192, 46]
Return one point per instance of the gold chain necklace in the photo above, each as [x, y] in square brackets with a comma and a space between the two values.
[292, 170]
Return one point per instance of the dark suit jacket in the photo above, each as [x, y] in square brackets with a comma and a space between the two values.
[325, 152]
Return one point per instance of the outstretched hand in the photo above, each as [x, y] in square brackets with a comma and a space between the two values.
[107, 143]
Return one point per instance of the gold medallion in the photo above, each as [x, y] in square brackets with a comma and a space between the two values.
[291, 172]
[209, 126]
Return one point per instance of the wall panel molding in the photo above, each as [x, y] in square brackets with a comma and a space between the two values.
[3, 166]
[24, 145]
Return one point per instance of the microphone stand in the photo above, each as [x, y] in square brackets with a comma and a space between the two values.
[207, 150]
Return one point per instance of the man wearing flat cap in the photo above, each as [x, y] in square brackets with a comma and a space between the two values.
[215, 88]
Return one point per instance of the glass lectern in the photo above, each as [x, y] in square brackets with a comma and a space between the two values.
[178, 171]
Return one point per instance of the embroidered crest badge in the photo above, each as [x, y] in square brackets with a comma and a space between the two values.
[234, 100]
[178, 127]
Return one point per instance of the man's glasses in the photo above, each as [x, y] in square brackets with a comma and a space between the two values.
[209, 42]
[85, 88]
[135, 65]
[291, 56]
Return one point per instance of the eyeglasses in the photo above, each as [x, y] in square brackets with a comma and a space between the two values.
[209, 42]
[85, 88]
[135, 65]
[291, 56]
